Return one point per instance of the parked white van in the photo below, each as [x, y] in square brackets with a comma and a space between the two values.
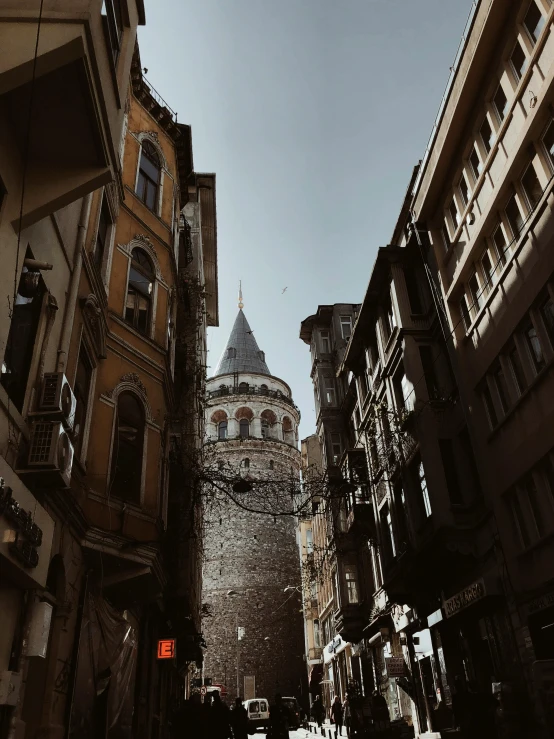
[258, 713]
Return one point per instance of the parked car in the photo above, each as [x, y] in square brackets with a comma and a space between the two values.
[295, 712]
[258, 713]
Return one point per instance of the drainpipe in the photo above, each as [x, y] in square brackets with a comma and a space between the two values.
[71, 303]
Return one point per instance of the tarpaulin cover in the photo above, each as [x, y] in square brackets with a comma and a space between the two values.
[104, 690]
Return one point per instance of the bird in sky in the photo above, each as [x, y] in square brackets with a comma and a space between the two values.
[283, 290]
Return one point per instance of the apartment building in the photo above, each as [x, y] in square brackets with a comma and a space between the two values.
[483, 203]
[115, 269]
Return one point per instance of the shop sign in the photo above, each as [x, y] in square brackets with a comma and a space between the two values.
[334, 647]
[396, 666]
[540, 604]
[166, 648]
[465, 598]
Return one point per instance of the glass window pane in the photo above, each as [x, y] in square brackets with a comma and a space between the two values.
[487, 135]
[501, 244]
[520, 380]
[514, 216]
[476, 293]
[489, 406]
[454, 215]
[500, 103]
[531, 186]
[475, 162]
[519, 61]
[534, 21]
[464, 191]
[547, 313]
[534, 344]
[501, 387]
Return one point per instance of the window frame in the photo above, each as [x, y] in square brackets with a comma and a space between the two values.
[488, 143]
[464, 194]
[223, 426]
[531, 201]
[106, 246]
[516, 234]
[142, 453]
[519, 72]
[350, 573]
[475, 172]
[151, 297]
[500, 114]
[324, 341]
[81, 442]
[345, 320]
[143, 177]
[534, 39]
[536, 364]
[244, 423]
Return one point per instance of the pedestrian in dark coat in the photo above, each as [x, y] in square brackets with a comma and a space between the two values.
[239, 720]
[221, 719]
[318, 710]
[278, 720]
[336, 713]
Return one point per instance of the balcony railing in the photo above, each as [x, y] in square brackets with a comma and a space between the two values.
[222, 392]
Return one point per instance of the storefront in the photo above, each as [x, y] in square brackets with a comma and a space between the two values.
[338, 670]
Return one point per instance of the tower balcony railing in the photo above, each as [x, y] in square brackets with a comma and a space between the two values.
[222, 392]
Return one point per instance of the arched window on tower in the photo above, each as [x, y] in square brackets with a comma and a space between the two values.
[244, 428]
[246, 463]
[265, 428]
[271, 464]
[243, 387]
[222, 430]
[263, 389]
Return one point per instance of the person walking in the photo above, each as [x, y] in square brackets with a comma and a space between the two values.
[220, 715]
[278, 720]
[318, 710]
[347, 714]
[239, 720]
[337, 713]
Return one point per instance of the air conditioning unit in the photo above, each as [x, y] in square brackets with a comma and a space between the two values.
[57, 399]
[50, 456]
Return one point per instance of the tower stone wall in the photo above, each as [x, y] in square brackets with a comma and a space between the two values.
[251, 558]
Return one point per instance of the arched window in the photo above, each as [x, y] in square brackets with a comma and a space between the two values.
[246, 463]
[128, 442]
[265, 428]
[243, 387]
[271, 464]
[263, 388]
[138, 306]
[244, 427]
[148, 183]
[222, 430]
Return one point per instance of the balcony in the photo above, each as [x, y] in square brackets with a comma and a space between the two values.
[223, 392]
[350, 621]
[360, 521]
[68, 97]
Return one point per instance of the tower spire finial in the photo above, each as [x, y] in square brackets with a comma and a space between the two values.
[241, 304]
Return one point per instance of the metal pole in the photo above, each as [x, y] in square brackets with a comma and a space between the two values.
[238, 654]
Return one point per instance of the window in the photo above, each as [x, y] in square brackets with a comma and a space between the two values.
[476, 293]
[488, 270]
[518, 520]
[489, 406]
[127, 449]
[518, 374]
[317, 634]
[529, 485]
[501, 387]
[324, 342]
[139, 291]
[413, 291]
[101, 243]
[330, 395]
[500, 244]
[18, 354]
[446, 447]
[464, 313]
[404, 392]
[244, 387]
[309, 541]
[346, 326]
[513, 214]
[222, 430]
[519, 61]
[531, 186]
[487, 135]
[534, 21]
[428, 364]
[265, 428]
[424, 490]
[149, 175]
[534, 345]
[246, 463]
[463, 189]
[271, 464]
[500, 103]
[475, 162]
[336, 448]
[390, 529]
[364, 386]
[454, 216]
[244, 428]
[113, 21]
[548, 141]
[263, 388]
[351, 578]
[81, 389]
[547, 313]
[445, 238]
[390, 317]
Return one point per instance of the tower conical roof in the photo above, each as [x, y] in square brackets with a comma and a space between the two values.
[242, 353]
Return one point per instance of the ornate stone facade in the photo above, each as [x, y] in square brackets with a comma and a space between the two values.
[251, 558]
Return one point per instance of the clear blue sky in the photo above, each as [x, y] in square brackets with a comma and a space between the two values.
[312, 113]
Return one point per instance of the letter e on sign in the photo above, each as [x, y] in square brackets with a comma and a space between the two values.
[166, 648]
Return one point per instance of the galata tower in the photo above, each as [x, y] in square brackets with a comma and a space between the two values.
[251, 575]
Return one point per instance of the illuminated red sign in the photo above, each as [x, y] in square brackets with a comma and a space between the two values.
[166, 648]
